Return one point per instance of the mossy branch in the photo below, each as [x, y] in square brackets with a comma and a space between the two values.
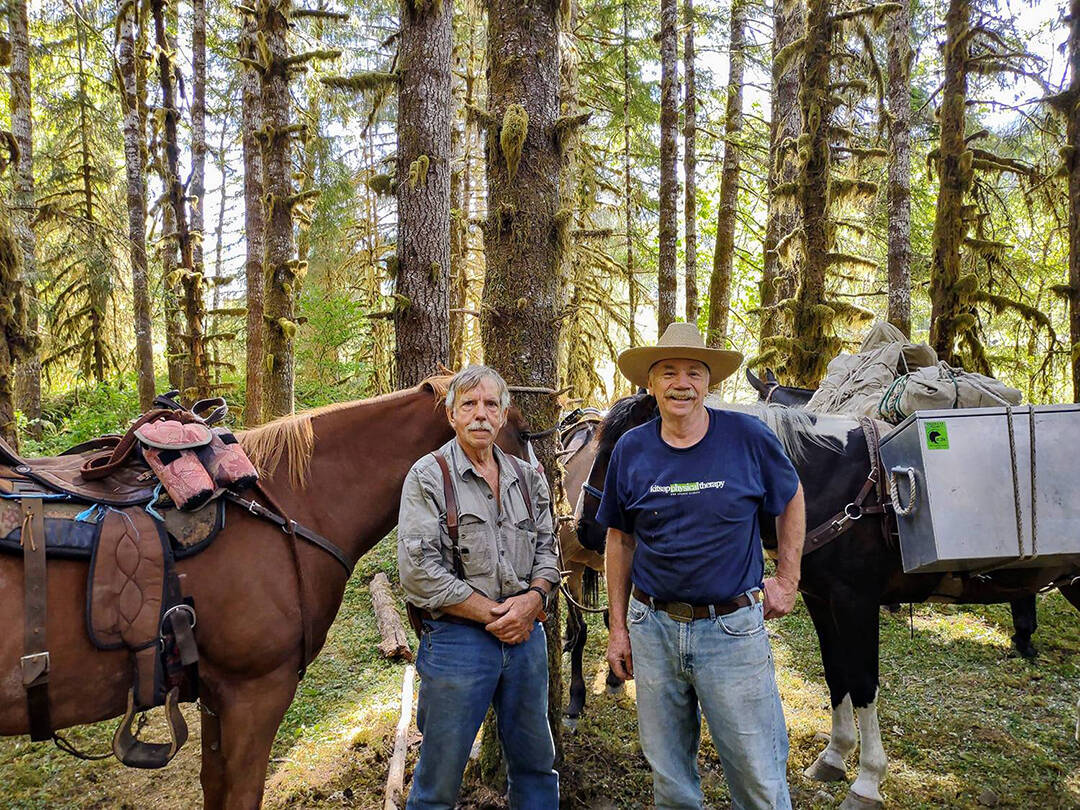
[850, 260]
[309, 56]
[479, 116]
[362, 82]
[325, 14]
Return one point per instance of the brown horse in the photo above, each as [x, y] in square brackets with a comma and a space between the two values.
[338, 470]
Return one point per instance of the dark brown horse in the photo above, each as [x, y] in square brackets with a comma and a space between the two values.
[339, 471]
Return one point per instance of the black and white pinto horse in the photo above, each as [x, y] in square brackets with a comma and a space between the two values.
[1024, 616]
[844, 582]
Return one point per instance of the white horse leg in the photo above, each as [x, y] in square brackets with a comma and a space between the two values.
[829, 766]
[866, 790]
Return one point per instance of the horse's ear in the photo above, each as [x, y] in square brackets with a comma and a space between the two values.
[755, 383]
[770, 377]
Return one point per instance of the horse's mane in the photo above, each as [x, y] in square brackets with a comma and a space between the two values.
[293, 438]
[795, 427]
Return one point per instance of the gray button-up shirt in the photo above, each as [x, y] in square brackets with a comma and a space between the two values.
[502, 549]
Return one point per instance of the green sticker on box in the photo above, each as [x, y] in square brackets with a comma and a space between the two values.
[937, 436]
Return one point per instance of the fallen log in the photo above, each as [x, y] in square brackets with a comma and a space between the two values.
[395, 641]
[395, 780]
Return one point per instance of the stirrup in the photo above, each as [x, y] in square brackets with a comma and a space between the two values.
[135, 753]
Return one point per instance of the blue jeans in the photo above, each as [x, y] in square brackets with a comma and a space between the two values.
[725, 665]
[463, 670]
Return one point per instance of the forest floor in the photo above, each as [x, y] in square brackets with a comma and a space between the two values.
[964, 722]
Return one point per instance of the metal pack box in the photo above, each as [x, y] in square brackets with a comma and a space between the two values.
[968, 478]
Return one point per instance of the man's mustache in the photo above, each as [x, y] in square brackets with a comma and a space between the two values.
[478, 425]
[680, 395]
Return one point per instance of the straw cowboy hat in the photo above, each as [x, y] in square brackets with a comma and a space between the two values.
[679, 341]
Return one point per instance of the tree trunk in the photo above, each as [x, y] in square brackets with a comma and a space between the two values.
[524, 239]
[777, 282]
[12, 322]
[899, 192]
[280, 260]
[724, 251]
[812, 319]
[422, 300]
[194, 309]
[461, 244]
[98, 294]
[28, 371]
[135, 166]
[948, 319]
[223, 171]
[628, 198]
[690, 166]
[669, 178]
[1073, 133]
[194, 299]
[252, 122]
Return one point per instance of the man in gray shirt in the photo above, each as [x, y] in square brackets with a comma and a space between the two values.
[480, 598]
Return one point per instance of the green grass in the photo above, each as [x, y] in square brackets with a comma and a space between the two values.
[959, 716]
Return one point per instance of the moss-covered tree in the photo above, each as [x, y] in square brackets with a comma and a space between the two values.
[135, 165]
[777, 282]
[28, 372]
[254, 226]
[962, 242]
[900, 57]
[832, 76]
[724, 250]
[17, 343]
[421, 312]
[526, 230]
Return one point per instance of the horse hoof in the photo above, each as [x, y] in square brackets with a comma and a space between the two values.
[616, 689]
[1025, 650]
[853, 801]
[824, 772]
[570, 724]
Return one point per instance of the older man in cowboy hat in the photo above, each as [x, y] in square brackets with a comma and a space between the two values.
[685, 575]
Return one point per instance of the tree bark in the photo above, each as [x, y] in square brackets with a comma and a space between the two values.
[690, 166]
[422, 300]
[954, 179]
[669, 178]
[628, 198]
[724, 250]
[98, 292]
[251, 116]
[783, 216]
[524, 239]
[12, 322]
[194, 299]
[812, 319]
[281, 264]
[191, 285]
[28, 371]
[394, 642]
[899, 188]
[135, 167]
[1073, 165]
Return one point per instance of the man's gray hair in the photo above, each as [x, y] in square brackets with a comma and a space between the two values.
[471, 376]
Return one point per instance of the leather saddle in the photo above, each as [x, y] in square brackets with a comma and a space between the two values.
[132, 537]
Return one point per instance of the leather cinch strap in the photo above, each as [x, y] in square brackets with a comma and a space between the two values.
[35, 661]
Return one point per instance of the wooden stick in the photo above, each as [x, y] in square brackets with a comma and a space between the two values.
[395, 642]
[395, 781]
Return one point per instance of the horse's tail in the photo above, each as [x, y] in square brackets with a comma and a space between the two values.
[590, 587]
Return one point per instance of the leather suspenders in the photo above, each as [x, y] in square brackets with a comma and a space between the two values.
[450, 496]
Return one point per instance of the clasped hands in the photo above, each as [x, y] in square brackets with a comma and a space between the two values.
[512, 619]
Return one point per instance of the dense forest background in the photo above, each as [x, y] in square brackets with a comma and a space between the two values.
[327, 200]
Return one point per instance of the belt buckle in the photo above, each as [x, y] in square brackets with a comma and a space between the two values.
[35, 668]
[675, 611]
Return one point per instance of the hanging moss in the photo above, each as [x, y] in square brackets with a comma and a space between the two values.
[381, 184]
[362, 82]
[269, 363]
[418, 170]
[287, 327]
[515, 128]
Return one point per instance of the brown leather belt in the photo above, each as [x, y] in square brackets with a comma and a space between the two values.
[685, 612]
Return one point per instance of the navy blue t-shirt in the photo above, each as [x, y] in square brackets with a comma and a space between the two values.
[694, 511]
